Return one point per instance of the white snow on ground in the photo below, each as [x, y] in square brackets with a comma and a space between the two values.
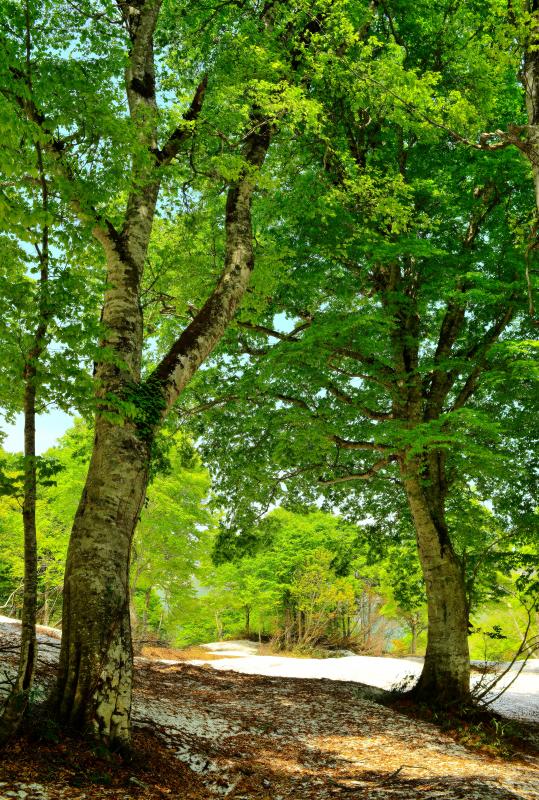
[520, 701]
[240, 647]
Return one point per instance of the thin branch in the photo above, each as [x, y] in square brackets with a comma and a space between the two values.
[362, 375]
[346, 444]
[256, 352]
[260, 398]
[378, 416]
[339, 394]
[526, 646]
[102, 228]
[285, 337]
[295, 401]
[200, 337]
[358, 476]
[490, 337]
[218, 401]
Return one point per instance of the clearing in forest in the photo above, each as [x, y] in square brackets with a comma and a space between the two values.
[207, 733]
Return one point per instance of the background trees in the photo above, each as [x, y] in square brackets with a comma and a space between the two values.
[302, 581]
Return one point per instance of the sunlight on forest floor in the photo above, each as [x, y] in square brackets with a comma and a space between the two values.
[202, 733]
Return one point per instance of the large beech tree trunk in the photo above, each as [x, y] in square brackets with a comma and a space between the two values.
[94, 678]
[446, 672]
[96, 661]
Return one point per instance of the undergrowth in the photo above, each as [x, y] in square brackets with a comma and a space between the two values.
[474, 727]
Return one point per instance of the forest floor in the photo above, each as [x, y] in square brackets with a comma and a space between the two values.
[520, 701]
[204, 733]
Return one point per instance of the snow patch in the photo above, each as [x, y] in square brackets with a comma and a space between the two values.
[520, 701]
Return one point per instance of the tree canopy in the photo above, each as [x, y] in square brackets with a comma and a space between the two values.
[311, 229]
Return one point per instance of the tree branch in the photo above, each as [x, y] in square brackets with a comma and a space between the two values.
[102, 229]
[218, 401]
[358, 476]
[183, 132]
[441, 380]
[378, 416]
[354, 354]
[346, 444]
[482, 347]
[257, 352]
[199, 339]
[295, 401]
[284, 337]
[339, 394]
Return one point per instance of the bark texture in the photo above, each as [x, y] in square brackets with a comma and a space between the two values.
[530, 75]
[18, 698]
[96, 660]
[445, 677]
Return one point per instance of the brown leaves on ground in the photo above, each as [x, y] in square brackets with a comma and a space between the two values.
[192, 653]
[260, 738]
[200, 734]
[34, 769]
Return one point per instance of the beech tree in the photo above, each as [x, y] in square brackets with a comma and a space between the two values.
[406, 300]
[121, 144]
[43, 300]
[388, 239]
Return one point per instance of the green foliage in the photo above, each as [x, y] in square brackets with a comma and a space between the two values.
[388, 319]
[302, 579]
[170, 540]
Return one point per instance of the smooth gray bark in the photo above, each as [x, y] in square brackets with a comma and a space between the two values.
[445, 677]
[96, 660]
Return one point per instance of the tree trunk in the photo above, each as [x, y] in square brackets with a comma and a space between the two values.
[413, 648]
[147, 598]
[17, 701]
[530, 82]
[96, 660]
[45, 611]
[219, 627]
[446, 672]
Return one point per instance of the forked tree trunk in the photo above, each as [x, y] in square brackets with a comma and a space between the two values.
[446, 672]
[96, 661]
